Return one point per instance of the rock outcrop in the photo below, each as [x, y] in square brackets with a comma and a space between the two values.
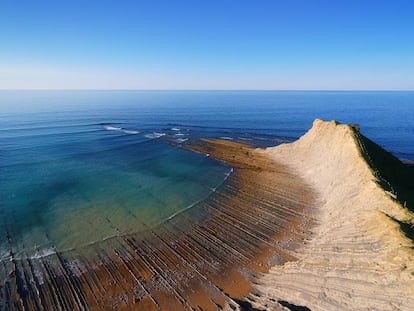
[360, 256]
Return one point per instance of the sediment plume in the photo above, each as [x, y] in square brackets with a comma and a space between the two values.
[361, 254]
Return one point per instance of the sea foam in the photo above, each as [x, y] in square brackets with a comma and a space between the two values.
[130, 132]
[112, 128]
[120, 129]
[154, 135]
[181, 140]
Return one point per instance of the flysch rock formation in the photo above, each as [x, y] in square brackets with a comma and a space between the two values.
[358, 257]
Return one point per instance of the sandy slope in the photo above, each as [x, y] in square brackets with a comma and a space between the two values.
[357, 258]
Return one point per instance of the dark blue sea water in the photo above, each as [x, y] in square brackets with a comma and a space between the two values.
[78, 167]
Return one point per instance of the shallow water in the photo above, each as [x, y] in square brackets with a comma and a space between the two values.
[78, 167]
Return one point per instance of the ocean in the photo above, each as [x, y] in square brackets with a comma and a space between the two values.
[80, 167]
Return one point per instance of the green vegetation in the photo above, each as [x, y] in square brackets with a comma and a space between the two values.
[393, 176]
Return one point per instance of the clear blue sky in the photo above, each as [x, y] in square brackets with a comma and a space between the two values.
[207, 44]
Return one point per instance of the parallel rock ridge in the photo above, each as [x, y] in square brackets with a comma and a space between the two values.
[360, 256]
[253, 220]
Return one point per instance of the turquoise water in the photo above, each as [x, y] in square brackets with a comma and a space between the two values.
[77, 167]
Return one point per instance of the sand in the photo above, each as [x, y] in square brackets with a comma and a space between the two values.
[357, 258]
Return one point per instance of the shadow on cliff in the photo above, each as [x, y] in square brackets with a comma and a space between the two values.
[394, 176]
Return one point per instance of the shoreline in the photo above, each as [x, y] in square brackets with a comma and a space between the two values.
[253, 221]
[304, 225]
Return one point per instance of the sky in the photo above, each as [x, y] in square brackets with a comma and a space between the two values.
[210, 44]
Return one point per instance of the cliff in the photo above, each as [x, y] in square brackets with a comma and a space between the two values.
[360, 255]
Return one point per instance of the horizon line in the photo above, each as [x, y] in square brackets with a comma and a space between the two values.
[217, 90]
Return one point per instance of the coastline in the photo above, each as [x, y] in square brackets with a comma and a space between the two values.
[251, 222]
[358, 256]
[305, 225]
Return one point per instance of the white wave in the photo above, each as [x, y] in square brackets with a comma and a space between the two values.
[43, 253]
[213, 189]
[130, 132]
[185, 208]
[228, 174]
[180, 134]
[244, 138]
[112, 128]
[226, 137]
[175, 129]
[181, 140]
[154, 135]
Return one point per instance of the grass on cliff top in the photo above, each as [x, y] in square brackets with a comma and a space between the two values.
[392, 174]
